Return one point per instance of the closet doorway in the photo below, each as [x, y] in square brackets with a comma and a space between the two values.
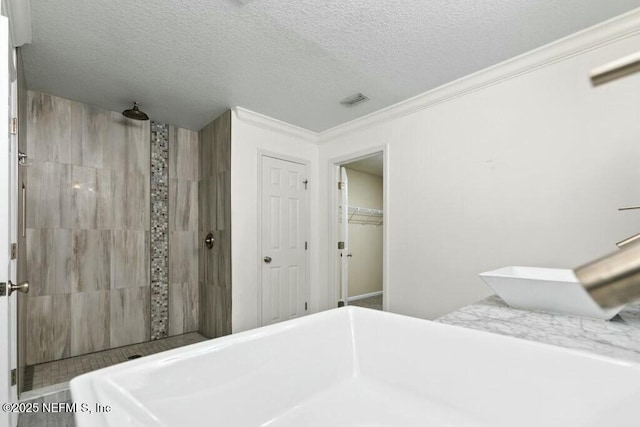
[360, 231]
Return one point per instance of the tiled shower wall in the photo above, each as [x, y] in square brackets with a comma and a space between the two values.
[159, 230]
[174, 230]
[215, 217]
[184, 173]
[88, 230]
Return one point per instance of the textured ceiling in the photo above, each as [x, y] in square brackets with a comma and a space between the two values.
[294, 60]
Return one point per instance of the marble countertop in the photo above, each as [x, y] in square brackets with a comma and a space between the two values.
[618, 338]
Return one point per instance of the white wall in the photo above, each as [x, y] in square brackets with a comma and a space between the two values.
[521, 164]
[250, 133]
[526, 170]
[365, 241]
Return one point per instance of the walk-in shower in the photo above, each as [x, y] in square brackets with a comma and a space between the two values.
[114, 212]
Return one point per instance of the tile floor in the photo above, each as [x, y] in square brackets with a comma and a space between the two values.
[42, 419]
[59, 371]
[371, 302]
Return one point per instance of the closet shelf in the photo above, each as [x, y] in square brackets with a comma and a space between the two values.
[364, 216]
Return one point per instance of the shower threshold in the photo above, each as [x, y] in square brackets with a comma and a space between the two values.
[47, 374]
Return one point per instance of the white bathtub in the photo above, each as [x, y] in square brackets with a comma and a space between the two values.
[360, 367]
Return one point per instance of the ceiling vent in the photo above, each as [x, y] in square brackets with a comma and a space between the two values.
[358, 98]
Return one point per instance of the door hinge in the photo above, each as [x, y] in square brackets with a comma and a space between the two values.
[305, 182]
[14, 377]
[306, 246]
[305, 306]
[14, 250]
[3, 289]
[14, 126]
[340, 185]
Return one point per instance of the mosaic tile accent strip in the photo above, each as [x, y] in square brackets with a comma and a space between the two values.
[159, 230]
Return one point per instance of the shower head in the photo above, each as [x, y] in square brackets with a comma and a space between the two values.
[135, 113]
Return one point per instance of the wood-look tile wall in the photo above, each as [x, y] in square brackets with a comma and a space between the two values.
[87, 236]
[184, 173]
[215, 216]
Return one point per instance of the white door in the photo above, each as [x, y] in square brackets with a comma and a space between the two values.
[343, 246]
[284, 244]
[7, 206]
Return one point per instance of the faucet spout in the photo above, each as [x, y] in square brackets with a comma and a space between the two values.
[613, 280]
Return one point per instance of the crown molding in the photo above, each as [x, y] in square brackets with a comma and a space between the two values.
[607, 32]
[618, 28]
[274, 125]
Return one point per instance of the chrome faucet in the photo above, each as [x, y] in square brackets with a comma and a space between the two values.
[614, 280]
[628, 240]
[616, 69]
[633, 238]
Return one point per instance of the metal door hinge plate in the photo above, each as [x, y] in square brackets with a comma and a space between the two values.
[306, 246]
[14, 250]
[340, 185]
[3, 289]
[14, 126]
[305, 306]
[14, 377]
[305, 182]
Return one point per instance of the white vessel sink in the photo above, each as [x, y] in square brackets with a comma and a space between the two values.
[359, 367]
[553, 290]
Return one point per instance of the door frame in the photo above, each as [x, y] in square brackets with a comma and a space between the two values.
[13, 137]
[306, 225]
[343, 234]
[8, 206]
[334, 200]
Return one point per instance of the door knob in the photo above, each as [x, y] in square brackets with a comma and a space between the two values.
[22, 287]
[267, 259]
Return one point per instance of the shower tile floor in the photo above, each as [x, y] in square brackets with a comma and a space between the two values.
[371, 302]
[60, 371]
